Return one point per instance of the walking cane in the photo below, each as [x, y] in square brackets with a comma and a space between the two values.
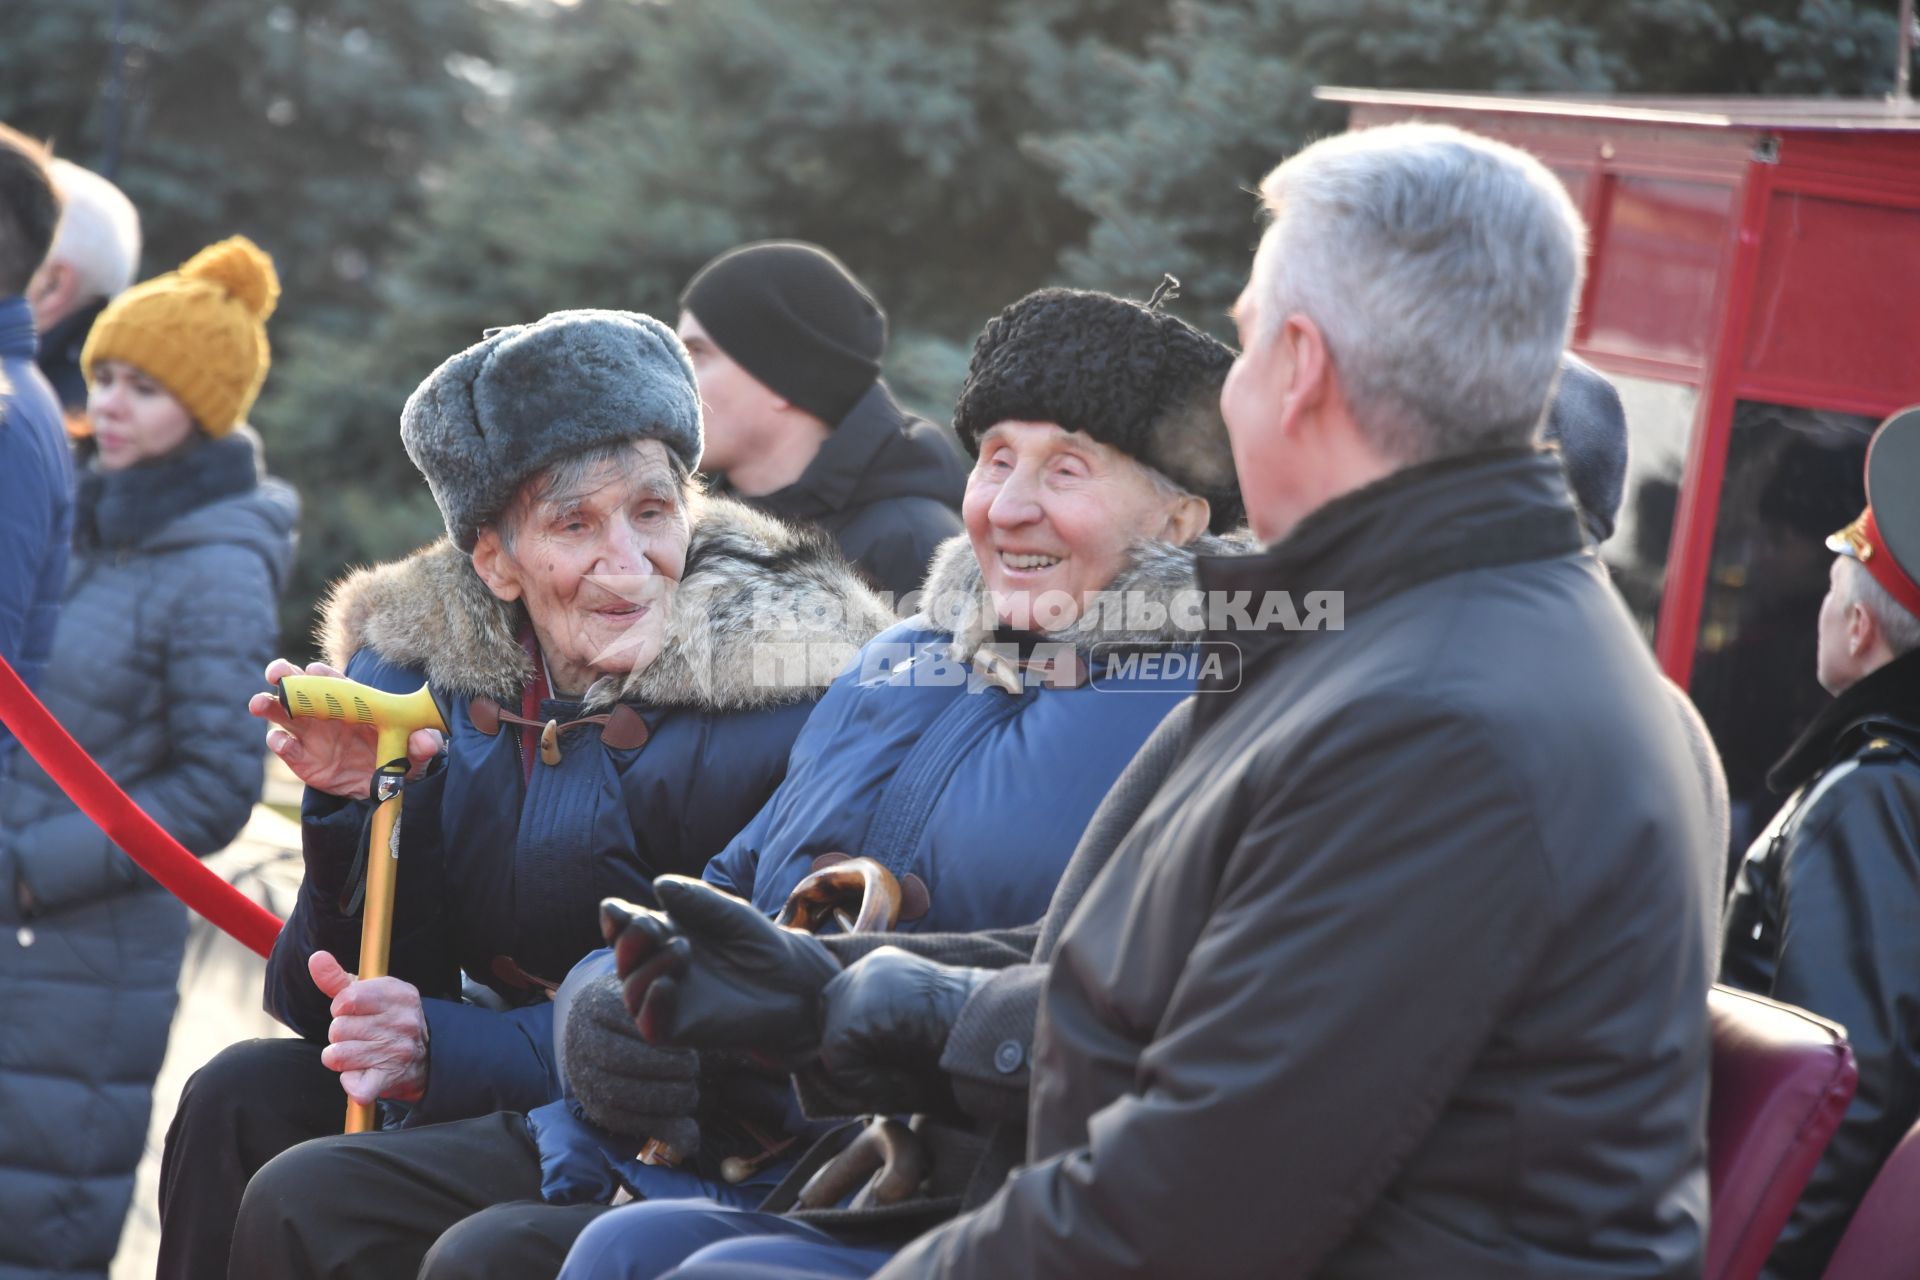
[394, 716]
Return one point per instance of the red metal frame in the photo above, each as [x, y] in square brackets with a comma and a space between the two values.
[1691, 556]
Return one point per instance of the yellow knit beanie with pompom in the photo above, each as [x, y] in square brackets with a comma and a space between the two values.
[200, 332]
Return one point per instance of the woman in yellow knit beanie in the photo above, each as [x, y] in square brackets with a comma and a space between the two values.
[183, 350]
[168, 615]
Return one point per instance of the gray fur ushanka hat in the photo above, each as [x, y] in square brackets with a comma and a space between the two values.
[1140, 380]
[528, 395]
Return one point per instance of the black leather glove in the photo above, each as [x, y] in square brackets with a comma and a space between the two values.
[625, 1085]
[711, 972]
[888, 1016]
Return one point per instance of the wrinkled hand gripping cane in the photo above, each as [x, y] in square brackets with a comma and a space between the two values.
[394, 717]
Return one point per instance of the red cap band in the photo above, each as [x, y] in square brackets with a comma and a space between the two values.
[1885, 569]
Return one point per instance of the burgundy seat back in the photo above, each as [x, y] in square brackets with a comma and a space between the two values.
[1881, 1242]
[1782, 1079]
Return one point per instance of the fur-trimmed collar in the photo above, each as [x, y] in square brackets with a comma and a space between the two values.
[1157, 574]
[756, 621]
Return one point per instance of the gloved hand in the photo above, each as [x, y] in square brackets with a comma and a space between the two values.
[711, 972]
[888, 1015]
[625, 1085]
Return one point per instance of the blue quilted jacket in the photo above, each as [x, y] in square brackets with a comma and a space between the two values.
[169, 616]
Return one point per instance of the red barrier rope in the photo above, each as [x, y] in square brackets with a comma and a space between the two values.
[125, 822]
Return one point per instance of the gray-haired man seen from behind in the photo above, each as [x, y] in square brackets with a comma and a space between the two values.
[95, 253]
[1403, 971]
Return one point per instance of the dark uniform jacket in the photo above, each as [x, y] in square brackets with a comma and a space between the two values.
[1403, 970]
[504, 857]
[1825, 914]
[885, 487]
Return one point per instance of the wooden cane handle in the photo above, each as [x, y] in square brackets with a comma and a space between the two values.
[903, 1165]
[887, 1156]
[860, 893]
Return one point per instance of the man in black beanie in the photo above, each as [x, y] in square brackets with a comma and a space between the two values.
[787, 346]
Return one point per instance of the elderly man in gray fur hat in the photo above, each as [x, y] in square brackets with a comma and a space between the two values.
[589, 627]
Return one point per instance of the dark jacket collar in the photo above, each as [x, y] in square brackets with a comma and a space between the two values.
[1887, 699]
[873, 453]
[16, 328]
[1424, 522]
[60, 346]
[118, 509]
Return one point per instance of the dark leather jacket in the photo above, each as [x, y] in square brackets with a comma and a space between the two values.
[1403, 971]
[1825, 914]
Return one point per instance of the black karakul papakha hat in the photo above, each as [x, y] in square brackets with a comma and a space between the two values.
[1145, 382]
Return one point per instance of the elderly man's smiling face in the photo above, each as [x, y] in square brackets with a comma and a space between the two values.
[1053, 516]
[593, 551]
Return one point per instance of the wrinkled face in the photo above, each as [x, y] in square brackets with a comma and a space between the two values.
[135, 419]
[1837, 665]
[1252, 402]
[595, 563]
[1052, 515]
[739, 407]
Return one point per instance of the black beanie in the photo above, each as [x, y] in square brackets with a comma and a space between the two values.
[793, 316]
[1140, 380]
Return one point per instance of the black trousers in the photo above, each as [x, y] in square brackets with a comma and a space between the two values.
[251, 1102]
[452, 1201]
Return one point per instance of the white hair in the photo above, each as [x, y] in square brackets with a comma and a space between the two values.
[1442, 269]
[1899, 628]
[99, 232]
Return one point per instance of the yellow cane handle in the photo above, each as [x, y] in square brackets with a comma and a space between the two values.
[394, 716]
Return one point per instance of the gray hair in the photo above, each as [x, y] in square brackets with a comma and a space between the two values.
[1163, 484]
[566, 481]
[99, 232]
[1900, 628]
[1443, 270]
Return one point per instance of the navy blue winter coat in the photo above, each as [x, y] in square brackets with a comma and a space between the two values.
[168, 617]
[36, 505]
[920, 758]
[503, 858]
